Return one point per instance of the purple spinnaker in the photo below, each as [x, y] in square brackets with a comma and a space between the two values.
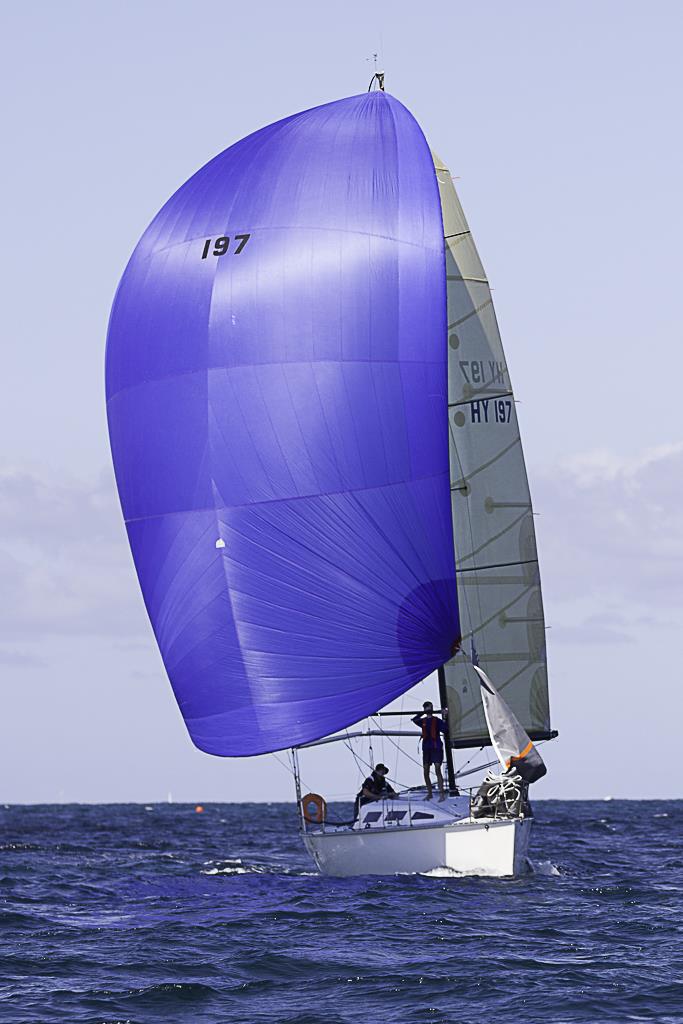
[278, 424]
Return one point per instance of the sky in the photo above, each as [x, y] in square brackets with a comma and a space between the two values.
[561, 124]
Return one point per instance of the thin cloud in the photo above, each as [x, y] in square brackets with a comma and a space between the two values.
[610, 534]
[610, 527]
[598, 630]
[20, 659]
[65, 567]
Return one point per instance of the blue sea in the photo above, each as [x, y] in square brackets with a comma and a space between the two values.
[160, 914]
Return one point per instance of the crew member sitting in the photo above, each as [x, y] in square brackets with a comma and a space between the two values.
[432, 747]
[375, 787]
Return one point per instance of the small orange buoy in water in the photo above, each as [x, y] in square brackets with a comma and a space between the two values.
[199, 809]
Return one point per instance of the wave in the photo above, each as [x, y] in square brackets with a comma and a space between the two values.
[175, 917]
[542, 868]
[236, 866]
[545, 868]
[166, 992]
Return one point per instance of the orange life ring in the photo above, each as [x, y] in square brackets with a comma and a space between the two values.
[314, 808]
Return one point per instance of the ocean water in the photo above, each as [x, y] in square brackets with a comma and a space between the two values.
[160, 914]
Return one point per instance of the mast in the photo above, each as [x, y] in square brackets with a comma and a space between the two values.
[450, 767]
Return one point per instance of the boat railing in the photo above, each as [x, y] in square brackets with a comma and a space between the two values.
[389, 816]
[405, 817]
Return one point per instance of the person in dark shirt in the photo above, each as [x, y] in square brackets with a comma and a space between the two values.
[432, 747]
[375, 787]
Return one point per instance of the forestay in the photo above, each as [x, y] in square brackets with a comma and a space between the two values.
[277, 403]
[499, 590]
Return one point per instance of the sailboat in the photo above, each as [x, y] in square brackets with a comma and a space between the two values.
[319, 466]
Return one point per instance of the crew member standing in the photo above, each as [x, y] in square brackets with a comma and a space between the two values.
[432, 747]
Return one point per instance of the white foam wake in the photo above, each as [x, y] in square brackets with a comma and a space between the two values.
[544, 867]
[236, 866]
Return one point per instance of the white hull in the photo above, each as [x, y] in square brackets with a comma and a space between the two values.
[494, 847]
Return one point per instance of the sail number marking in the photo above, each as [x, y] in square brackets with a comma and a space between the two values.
[474, 371]
[488, 410]
[221, 245]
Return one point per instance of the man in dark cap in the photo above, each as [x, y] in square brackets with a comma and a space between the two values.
[375, 787]
[432, 747]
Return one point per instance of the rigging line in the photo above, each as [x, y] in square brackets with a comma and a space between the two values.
[347, 743]
[499, 611]
[475, 754]
[502, 686]
[465, 478]
[477, 768]
[402, 785]
[398, 749]
[472, 280]
[358, 759]
[500, 565]
[405, 754]
[473, 312]
[489, 764]
[349, 746]
[487, 389]
[290, 769]
[283, 763]
[495, 536]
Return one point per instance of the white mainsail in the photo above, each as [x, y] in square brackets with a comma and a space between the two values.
[499, 592]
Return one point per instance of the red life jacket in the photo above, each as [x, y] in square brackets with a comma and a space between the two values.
[430, 730]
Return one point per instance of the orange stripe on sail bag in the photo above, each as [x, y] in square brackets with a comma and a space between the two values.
[518, 757]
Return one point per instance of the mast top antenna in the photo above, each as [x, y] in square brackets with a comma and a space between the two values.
[377, 80]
